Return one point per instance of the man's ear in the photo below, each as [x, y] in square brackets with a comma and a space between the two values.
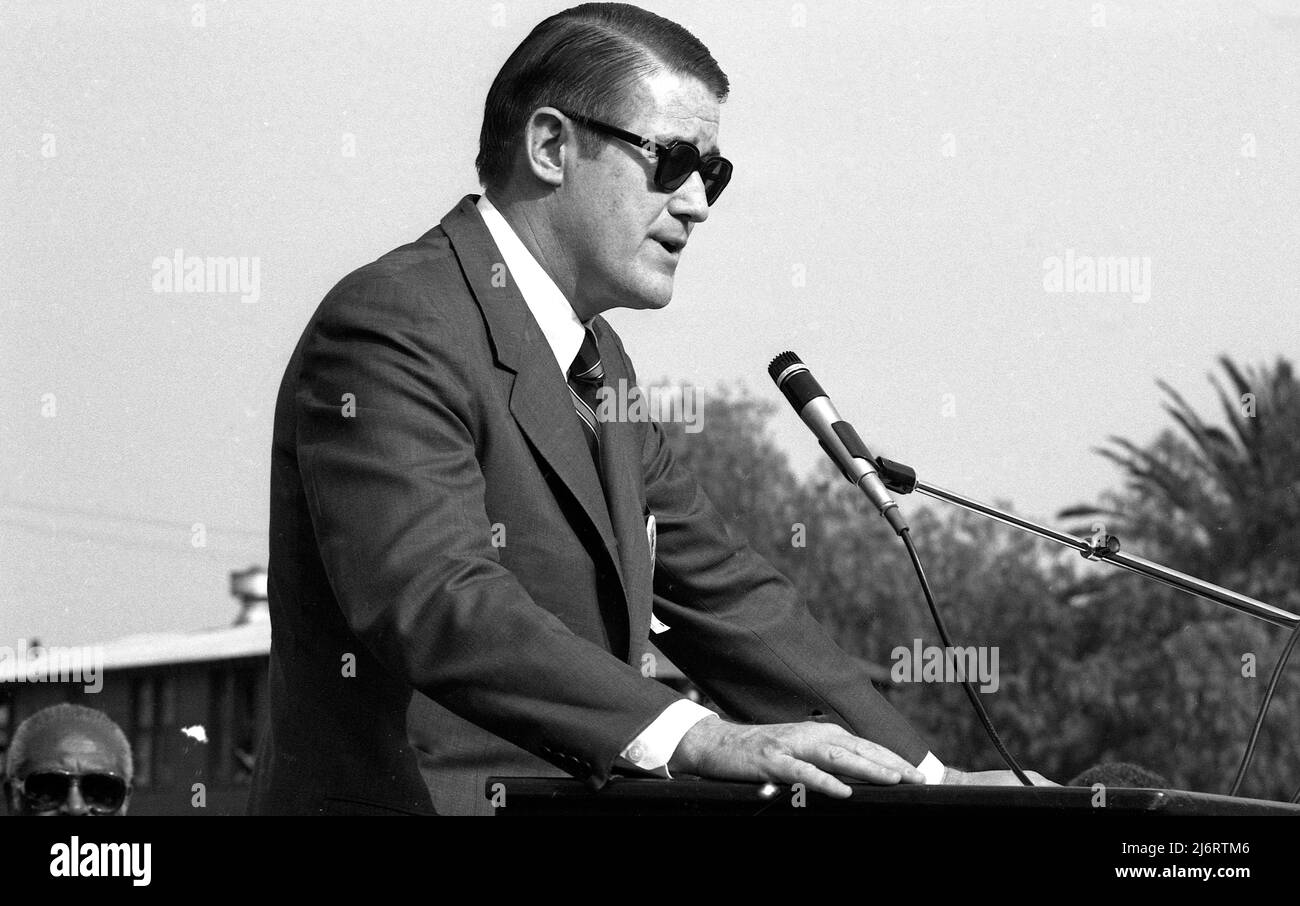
[545, 137]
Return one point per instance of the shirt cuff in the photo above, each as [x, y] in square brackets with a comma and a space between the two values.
[655, 745]
[932, 768]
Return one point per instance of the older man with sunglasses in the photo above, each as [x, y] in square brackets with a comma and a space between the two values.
[68, 760]
[467, 564]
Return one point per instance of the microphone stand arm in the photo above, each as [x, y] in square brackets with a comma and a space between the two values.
[902, 480]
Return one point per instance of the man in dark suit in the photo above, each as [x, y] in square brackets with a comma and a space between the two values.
[462, 580]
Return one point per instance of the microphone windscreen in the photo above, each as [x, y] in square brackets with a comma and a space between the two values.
[782, 362]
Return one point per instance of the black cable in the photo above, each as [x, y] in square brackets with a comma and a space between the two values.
[906, 535]
[1263, 710]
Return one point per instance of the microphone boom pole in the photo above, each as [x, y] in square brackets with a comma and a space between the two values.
[1108, 550]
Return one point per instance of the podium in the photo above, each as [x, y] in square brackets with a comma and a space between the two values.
[629, 796]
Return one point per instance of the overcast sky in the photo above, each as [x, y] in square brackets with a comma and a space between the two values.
[905, 175]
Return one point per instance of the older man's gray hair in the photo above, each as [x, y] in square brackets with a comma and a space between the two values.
[65, 715]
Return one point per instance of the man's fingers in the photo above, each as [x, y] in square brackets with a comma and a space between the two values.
[795, 770]
[843, 761]
[814, 754]
[884, 757]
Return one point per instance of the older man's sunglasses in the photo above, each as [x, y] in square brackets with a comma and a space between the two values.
[44, 791]
[676, 161]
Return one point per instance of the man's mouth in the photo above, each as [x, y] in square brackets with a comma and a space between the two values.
[672, 246]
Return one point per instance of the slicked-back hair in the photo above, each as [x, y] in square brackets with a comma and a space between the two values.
[586, 60]
[65, 715]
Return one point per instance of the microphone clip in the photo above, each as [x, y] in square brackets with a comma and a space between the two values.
[1099, 550]
[899, 478]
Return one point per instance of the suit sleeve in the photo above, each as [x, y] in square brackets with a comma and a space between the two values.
[388, 460]
[737, 627]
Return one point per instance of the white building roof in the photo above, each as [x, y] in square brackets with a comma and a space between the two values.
[153, 649]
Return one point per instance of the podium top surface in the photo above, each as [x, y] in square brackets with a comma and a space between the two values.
[652, 796]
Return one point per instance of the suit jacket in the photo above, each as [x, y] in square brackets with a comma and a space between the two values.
[452, 589]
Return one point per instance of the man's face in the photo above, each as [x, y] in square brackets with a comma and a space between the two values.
[616, 221]
[63, 749]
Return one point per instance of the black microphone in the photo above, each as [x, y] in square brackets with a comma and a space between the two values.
[836, 436]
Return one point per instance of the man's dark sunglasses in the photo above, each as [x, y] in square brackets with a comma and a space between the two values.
[44, 791]
[677, 161]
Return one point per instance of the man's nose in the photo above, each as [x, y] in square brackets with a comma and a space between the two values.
[75, 804]
[689, 200]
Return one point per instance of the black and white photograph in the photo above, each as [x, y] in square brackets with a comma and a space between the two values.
[685, 409]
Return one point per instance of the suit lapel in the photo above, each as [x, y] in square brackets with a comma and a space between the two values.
[539, 398]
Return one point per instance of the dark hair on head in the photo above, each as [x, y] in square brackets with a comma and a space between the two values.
[587, 60]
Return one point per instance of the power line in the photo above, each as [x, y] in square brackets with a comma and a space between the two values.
[126, 517]
[82, 536]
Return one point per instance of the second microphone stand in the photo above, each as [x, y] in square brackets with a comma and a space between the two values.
[902, 480]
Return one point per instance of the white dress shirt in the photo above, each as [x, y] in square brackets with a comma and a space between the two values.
[651, 750]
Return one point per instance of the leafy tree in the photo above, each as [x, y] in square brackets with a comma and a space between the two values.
[1222, 503]
[1222, 499]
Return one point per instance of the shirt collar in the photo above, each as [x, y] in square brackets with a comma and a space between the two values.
[559, 322]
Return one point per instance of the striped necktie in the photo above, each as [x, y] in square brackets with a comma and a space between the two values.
[586, 377]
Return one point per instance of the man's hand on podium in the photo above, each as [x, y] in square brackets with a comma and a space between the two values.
[808, 753]
[954, 777]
